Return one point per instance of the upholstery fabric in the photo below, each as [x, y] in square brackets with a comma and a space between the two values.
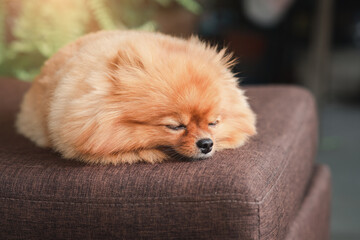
[312, 221]
[253, 192]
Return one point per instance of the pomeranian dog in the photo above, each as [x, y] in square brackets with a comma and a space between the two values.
[128, 96]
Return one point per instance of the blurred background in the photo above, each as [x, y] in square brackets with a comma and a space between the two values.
[312, 43]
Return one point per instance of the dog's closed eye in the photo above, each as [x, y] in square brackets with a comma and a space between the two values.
[176, 127]
[213, 124]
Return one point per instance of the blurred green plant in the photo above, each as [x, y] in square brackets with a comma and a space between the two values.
[41, 27]
[2, 31]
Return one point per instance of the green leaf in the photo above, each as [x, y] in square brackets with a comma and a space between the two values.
[102, 14]
[191, 5]
[26, 75]
[148, 26]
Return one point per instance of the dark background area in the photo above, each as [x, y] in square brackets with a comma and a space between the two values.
[277, 54]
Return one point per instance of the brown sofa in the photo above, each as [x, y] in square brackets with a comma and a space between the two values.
[268, 189]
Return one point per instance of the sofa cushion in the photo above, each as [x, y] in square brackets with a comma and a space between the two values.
[253, 192]
[313, 219]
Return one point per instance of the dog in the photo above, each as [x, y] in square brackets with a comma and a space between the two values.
[126, 96]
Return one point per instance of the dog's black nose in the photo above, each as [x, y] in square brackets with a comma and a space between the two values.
[205, 145]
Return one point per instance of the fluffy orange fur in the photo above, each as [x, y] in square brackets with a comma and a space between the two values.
[119, 97]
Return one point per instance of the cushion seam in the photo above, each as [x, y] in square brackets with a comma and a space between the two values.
[262, 199]
[169, 202]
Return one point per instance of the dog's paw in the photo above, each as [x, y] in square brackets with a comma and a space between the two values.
[152, 156]
[148, 155]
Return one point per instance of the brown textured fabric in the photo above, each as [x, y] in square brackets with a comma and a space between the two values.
[248, 193]
[313, 220]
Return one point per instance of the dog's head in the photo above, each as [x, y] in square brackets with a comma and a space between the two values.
[179, 94]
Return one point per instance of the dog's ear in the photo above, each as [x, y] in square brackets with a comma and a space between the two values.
[124, 59]
[227, 58]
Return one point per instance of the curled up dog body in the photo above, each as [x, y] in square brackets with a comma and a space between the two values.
[125, 96]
